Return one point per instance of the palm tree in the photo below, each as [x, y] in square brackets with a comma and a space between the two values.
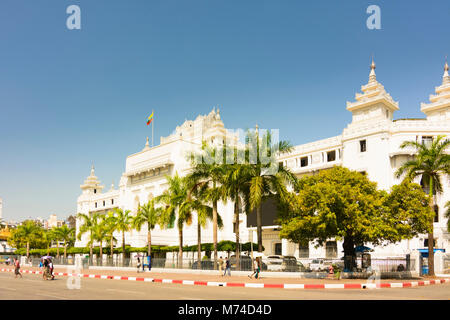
[266, 178]
[172, 199]
[100, 233]
[212, 175]
[237, 190]
[66, 234]
[89, 222]
[430, 163]
[123, 222]
[110, 226]
[147, 214]
[56, 236]
[47, 237]
[28, 232]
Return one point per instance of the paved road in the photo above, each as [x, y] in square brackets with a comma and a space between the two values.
[32, 287]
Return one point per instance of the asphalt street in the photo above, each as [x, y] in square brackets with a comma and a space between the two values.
[33, 287]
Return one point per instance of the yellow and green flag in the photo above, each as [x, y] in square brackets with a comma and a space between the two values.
[150, 119]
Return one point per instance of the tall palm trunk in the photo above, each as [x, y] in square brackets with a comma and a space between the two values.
[215, 232]
[28, 250]
[236, 217]
[259, 227]
[149, 242]
[123, 245]
[112, 249]
[199, 244]
[430, 234]
[101, 252]
[65, 249]
[57, 248]
[180, 249]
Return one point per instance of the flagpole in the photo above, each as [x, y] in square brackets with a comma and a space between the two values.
[152, 129]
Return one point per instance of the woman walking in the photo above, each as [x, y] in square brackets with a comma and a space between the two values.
[256, 268]
[17, 268]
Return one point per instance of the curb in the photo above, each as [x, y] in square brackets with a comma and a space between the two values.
[253, 285]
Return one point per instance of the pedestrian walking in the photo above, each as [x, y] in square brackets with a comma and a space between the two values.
[138, 264]
[220, 262]
[50, 266]
[256, 268]
[227, 267]
[17, 268]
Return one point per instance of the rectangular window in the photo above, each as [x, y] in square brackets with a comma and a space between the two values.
[304, 162]
[104, 202]
[362, 145]
[436, 213]
[331, 155]
[425, 243]
[427, 140]
[331, 249]
[303, 250]
[278, 248]
[96, 204]
[112, 201]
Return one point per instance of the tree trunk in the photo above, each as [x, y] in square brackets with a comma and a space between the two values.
[48, 250]
[57, 248]
[215, 232]
[65, 249]
[123, 247]
[91, 253]
[180, 249]
[236, 217]
[101, 251]
[149, 242]
[28, 250]
[349, 254]
[431, 235]
[259, 227]
[199, 244]
[112, 249]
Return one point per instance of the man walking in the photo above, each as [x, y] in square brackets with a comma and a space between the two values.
[220, 262]
[256, 268]
[17, 268]
[227, 267]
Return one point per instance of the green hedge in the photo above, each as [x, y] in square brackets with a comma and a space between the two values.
[221, 246]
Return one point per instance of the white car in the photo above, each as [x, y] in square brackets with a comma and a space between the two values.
[318, 265]
[274, 263]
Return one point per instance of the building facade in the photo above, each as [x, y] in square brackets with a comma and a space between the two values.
[370, 144]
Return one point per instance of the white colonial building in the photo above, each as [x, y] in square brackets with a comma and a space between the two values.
[145, 178]
[370, 144]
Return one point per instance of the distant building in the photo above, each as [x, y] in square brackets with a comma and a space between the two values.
[53, 222]
[71, 221]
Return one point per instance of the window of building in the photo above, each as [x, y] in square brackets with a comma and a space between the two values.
[96, 204]
[362, 145]
[436, 213]
[303, 250]
[112, 201]
[425, 243]
[331, 249]
[104, 203]
[95, 190]
[304, 161]
[427, 140]
[278, 248]
[387, 114]
[331, 155]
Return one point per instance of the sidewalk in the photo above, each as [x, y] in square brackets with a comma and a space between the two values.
[265, 277]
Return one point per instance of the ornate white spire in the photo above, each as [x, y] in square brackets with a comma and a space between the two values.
[439, 104]
[372, 75]
[445, 77]
[147, 145]
[91, 181]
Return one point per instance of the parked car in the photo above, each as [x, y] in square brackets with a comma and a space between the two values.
[317, 265]
[245, 263]
[205, 265]
[274, 263]
[289, 264]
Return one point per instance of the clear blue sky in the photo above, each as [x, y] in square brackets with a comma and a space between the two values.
[69, 98]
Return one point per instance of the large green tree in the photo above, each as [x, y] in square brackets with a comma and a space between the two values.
[123, 221]
[27, 233]
[67, 235]
[109, 224]
[88, 225]
[343, 204]
[430, 163]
